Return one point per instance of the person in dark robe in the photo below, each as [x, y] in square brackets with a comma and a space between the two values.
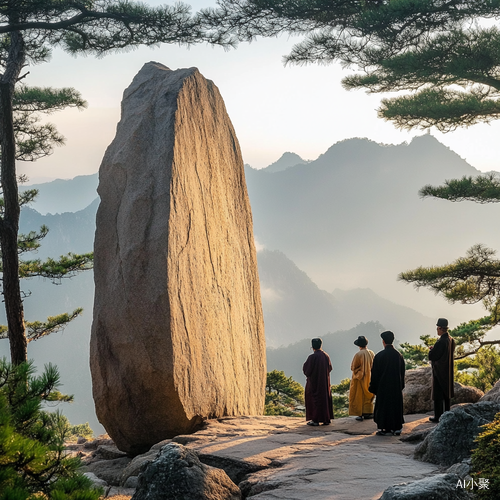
[318, 395]
[441, 356]
[387, 383]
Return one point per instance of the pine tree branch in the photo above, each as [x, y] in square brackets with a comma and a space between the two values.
[36, 329]
[481, 189]
[444, 109]
[65, 267]
[110, 25]
[31, 241]
[468, 280]
[482, 343]
[47, 100]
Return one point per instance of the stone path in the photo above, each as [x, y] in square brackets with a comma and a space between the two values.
[343, 461]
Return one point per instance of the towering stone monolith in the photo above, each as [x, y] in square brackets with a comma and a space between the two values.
[178, 333]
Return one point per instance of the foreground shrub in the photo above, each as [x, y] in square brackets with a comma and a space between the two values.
[32, 458]
[486, 460]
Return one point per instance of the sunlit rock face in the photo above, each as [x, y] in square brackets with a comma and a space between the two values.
[178, 334]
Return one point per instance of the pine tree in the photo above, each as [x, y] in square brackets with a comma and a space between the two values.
[35, 140]
[283, 395]
[33, 462]
[470, 279]
[29, 30]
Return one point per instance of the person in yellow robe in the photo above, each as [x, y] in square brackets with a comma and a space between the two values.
[360, 398]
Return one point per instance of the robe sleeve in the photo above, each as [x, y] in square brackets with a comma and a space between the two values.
[437, 351]
[357, 367]
[375, 375]
[402, 369]
[307, 367]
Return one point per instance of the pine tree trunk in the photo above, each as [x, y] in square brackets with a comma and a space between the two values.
[9, 223]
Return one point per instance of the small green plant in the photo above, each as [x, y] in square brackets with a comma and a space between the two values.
[481, 371]
[416, 355]
[340, 398]
[33, 463]
[284, 396]
[73, 432]
[485, 460]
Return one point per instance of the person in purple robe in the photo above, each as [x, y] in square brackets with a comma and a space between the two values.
[318, 396]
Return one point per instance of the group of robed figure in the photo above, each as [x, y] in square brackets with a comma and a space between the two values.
[377, 383]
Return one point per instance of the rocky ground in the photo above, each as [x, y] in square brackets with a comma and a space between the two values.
[282, 458]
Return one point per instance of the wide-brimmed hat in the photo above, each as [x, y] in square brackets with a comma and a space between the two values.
[361, 341]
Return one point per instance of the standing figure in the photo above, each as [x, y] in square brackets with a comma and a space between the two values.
[441, 358]
[318, 396]
[360, 398]
[387, 383]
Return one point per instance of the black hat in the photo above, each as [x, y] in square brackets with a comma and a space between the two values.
[316, 343]
[387, 337]
[361, 341]
[442, 322]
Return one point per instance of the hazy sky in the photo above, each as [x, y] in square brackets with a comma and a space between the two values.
[273, 108]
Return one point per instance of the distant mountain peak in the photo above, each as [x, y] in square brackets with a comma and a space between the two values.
[427, 140]
[286, 160]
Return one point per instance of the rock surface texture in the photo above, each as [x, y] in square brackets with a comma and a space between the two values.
[177, 473]
[453, 438]
[439, 487]
[493, 394]
[282, 458]
[417, 392]
[178, 333]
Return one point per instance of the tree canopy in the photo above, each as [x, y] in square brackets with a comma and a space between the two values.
[441, 50]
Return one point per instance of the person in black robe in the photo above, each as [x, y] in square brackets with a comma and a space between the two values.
[387, 383]
[441, 356]
[318, 395]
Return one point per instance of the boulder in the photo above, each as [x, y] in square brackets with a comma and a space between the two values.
[95, 443]
[178, 333]
[96, 481]
[178, 473]
[237, 470]
[108, 452]
[108, 470]
[417, 392]
[131, 482]
[466, 394]
[493, 394]
[134, 467]
[452, 439]
[118, 493]
[439, 487]
[461, 469]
